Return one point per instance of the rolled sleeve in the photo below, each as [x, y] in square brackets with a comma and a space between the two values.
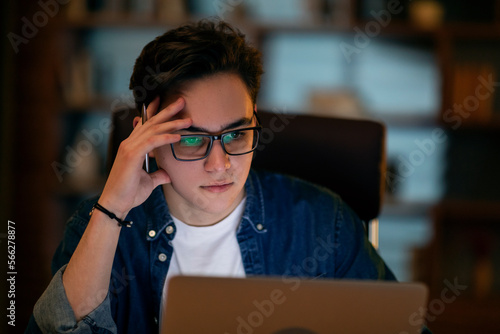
[53, 313]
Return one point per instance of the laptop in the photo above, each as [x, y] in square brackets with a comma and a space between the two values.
[292, 306]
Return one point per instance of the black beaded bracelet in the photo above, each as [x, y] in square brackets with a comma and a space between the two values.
[111, 215]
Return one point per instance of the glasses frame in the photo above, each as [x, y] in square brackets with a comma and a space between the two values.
[219, 136]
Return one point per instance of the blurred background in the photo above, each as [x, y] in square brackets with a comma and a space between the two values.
[427, 69]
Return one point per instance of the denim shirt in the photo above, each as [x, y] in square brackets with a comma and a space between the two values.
[289, 228]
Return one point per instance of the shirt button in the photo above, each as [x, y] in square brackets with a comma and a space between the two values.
[169, 229]
[162, 257]
[260, 227]
[152, 233]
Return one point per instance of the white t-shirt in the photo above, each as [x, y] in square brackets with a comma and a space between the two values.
[207, 250]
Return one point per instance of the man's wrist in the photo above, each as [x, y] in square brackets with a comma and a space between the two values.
[111, 215]
[111, 206]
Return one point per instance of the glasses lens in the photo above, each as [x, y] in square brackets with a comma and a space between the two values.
[240, 141]
[191, 147]
[194, 147]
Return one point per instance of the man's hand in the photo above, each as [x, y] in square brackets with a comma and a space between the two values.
[128, 185]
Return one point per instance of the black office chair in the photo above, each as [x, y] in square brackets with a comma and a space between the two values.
[344, 155]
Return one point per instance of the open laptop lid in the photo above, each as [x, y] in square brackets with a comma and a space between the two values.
[292, 306]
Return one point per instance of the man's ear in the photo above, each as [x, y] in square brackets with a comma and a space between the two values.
[136, 121]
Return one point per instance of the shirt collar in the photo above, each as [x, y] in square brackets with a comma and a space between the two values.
[157, 214]
[255, 209]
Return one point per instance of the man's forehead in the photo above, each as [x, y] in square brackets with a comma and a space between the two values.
[216, 124]
[214, 103]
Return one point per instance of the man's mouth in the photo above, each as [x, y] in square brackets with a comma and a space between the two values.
[218, 187]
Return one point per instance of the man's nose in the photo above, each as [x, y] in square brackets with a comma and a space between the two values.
[218, 159]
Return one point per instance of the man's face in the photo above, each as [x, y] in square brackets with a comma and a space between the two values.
[204, 192]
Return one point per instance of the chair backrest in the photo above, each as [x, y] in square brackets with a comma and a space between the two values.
[344, 155]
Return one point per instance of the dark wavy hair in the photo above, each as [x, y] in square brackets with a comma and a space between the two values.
[194, 51]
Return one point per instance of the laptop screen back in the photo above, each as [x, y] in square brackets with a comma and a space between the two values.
[292, 306]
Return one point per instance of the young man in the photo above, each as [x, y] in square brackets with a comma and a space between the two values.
[203, 211]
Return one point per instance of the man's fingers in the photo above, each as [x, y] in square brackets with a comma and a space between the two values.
[171, 126]
[159, 177]
[165, 113]
[171, 110]
[161, 140]
[153, 107]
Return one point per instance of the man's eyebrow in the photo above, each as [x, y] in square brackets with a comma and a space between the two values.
[233, 125]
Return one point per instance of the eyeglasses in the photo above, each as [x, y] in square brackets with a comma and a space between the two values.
[234, 142]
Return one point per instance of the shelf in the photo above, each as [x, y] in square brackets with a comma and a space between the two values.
[472, 30]
[124, 21]
[401, 119]
[492, 124]
[451, 30]
[457, 210]
[98, 104]
[396, 28]
[407, 121]
[396, 207]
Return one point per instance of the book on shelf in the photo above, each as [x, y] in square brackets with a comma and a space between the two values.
[78, 10]
[172, 11]
[78, 88]
[476, 104]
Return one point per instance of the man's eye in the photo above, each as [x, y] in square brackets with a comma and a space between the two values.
[232, 136]
[191, 141]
